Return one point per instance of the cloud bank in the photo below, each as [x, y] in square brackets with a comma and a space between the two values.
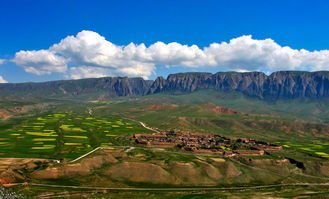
[89, 54]
[2, 80]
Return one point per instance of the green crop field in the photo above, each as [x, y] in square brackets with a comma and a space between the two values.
[64, 135]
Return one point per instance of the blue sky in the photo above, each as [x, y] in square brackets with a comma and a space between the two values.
[34, 25]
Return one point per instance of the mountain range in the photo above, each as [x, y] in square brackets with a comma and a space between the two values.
[278, 85]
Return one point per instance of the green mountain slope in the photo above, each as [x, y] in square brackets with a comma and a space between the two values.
[307, 109]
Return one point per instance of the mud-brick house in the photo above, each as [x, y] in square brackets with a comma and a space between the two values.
[250, 152]
[162, 144]
[270, 148]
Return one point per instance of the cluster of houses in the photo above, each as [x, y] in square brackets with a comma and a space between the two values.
[206, 143]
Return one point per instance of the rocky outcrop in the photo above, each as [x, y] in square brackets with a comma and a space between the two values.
[278, 85]
[157, 86]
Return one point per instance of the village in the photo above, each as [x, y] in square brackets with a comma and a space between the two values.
[206, 143]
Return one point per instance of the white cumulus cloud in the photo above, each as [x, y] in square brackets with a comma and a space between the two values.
[2, 80]
[87, 72]
[91, 55]
[40, 62]
[245, 53]
[91, 49]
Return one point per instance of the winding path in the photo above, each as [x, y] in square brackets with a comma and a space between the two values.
[149, 128]
[84, 155]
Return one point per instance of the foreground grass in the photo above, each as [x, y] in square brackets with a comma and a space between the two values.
[280, 192]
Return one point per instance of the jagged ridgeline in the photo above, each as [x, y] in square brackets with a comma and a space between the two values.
[278, 85]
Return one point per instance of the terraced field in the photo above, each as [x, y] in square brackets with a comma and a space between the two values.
[64, 135]
[318, 148]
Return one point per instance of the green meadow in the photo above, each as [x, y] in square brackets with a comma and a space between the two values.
[65, 135]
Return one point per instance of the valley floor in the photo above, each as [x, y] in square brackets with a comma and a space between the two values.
[86, 150]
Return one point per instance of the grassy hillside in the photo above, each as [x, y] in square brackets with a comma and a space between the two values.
[197, 112]
[310, 110]
[124, 167]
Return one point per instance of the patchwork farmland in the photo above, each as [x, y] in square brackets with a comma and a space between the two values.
[64, 135]
[317, 148]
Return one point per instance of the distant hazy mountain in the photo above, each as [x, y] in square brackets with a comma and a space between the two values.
[278, 85]
[84, 88]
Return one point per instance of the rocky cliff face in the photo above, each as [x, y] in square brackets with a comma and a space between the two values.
[297, 85]
[279, 85]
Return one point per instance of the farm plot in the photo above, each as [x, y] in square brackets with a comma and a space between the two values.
[318, 149]
[65, 135]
